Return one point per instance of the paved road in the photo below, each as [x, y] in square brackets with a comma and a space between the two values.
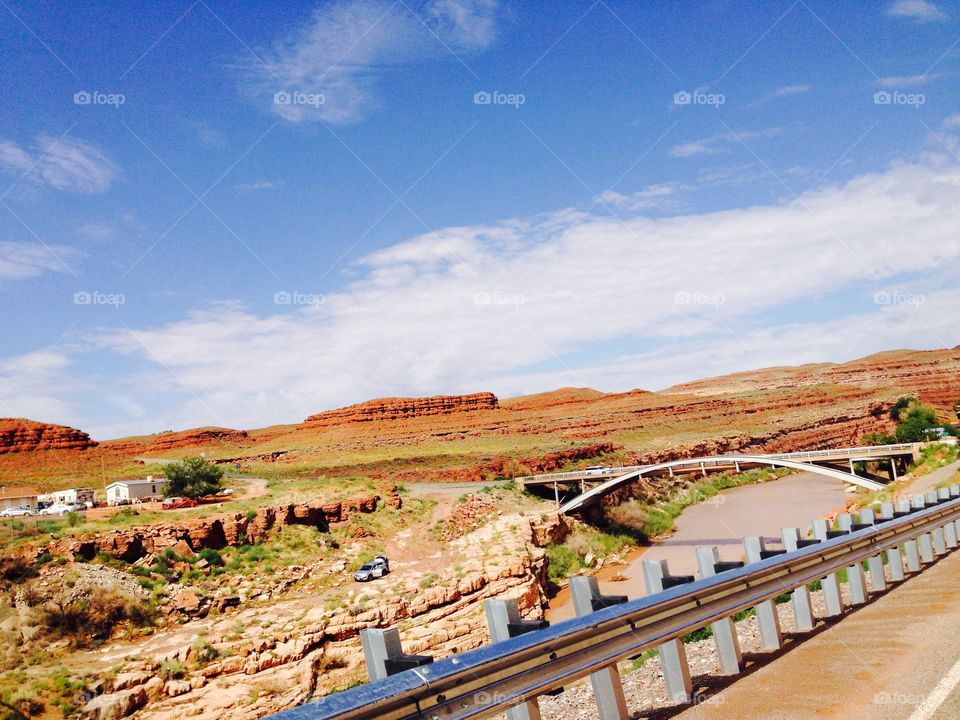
[894, 659]
[931, 480]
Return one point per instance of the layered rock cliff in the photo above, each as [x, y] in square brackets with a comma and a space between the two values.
[402, 409]
[21, 435]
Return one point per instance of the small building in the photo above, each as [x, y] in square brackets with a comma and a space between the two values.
[66, 497]
[18, 497]
[124, 491]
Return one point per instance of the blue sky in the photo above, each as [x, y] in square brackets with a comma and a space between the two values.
[215, 213]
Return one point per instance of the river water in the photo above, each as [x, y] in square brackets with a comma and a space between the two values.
[762, 509]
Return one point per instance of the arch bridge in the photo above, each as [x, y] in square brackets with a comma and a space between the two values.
[835, 463]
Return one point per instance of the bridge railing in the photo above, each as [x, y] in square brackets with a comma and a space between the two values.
[512, 673]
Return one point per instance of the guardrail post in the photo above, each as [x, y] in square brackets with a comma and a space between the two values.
[800, 597]
[925, 541]
[894, 555]
[856, 582]
[724, 630]
[878, 581]
[504, 622]
[673, 656]
[950, 529]
[607, 688]
[955, 493]
[911, 548]
[385, 656]
[832, 598]
[771, 638]
[932, 497]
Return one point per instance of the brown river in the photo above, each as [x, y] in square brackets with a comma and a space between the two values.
[792, 501]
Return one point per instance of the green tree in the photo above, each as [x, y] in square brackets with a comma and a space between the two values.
[918, 420]
[897, 412]
[193, 478]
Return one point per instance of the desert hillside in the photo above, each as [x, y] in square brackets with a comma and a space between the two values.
[478, 436]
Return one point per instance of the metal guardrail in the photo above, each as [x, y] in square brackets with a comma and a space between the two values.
[513, 672]
[608, 472]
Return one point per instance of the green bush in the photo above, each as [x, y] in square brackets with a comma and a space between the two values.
[212, 557]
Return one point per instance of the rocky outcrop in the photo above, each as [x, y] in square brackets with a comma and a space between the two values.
[21, 435]
[268, 670]
[197, 437]
[402, 409]
[215, 532]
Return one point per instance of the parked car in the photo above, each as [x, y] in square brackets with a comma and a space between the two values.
[175, 503]
[17, 512]
[64, 508]
[376, 568]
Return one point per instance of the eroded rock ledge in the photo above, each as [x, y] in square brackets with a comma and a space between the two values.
[402, 409]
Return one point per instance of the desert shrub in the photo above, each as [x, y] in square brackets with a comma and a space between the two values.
[91, 620]
[203, 652]
[172, 669]
[212, 557]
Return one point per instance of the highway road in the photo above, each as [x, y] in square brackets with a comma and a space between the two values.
[897, 658]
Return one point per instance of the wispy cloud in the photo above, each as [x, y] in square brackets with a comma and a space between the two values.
[329, 70]
[19, 261]
[921, 11]
[255, 185]
[906, 80]
[670, 281]
[63, 164]
[661, 196]
[788, 90]
[720, 143]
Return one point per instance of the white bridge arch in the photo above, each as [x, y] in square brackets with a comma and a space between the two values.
[612, 484]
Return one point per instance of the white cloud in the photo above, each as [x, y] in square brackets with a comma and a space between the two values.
[258, 185]
[63, 164]
[476, 307]
[19, 261]
[922, 11]
[344, 52]
[788, 90]
[720, 143]
[905, 80]
[661, 196]
[36, 386]
[952, 121]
